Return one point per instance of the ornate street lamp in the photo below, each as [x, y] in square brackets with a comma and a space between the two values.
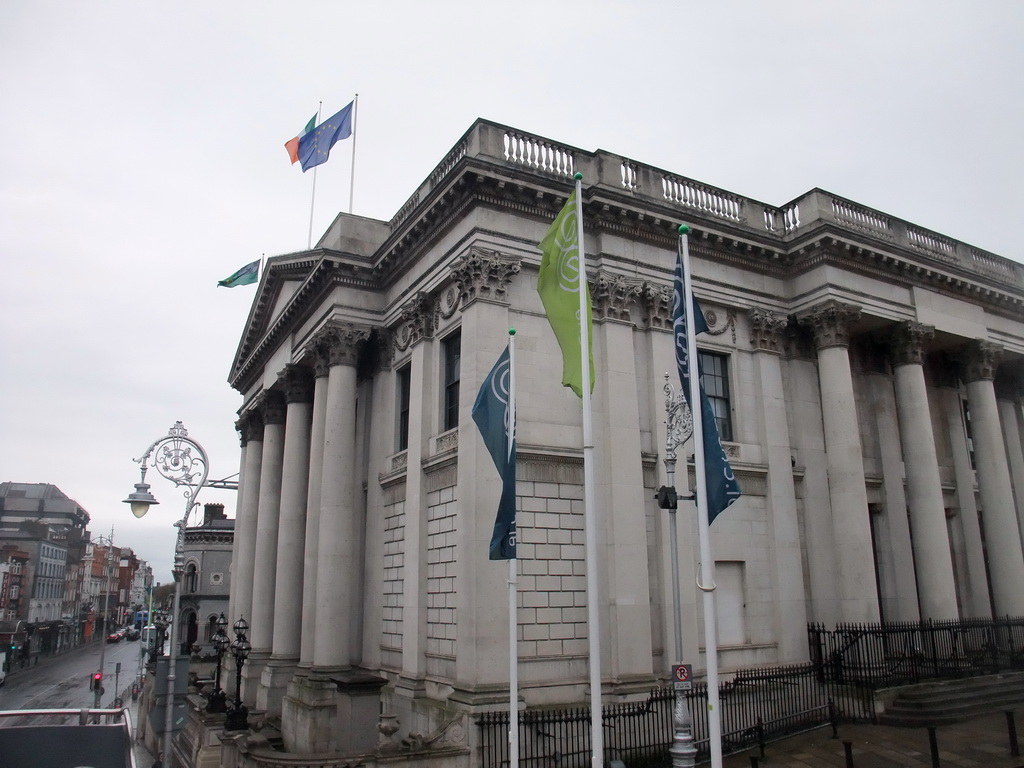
[218, 699]
[183, 461]
[237, 719]
[679, 427]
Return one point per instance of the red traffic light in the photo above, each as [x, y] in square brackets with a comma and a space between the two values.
[97, 676]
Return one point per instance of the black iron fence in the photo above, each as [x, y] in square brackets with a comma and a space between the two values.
[757, 706]
[899, 653]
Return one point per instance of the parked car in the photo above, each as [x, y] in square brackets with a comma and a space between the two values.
[132, 634]
[115, 636]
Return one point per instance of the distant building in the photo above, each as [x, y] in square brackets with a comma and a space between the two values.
[206, 582]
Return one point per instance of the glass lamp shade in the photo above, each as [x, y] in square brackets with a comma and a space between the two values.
[141, 499]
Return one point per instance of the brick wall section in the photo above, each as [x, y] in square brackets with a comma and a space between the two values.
[441, 558]
[394, 571]
[553, 583]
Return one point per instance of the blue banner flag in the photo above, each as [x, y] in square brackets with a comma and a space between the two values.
[722, 487]
[491, 412]
[315, 146]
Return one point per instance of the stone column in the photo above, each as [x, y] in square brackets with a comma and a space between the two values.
[936, 588]
[321, 368]
[1002, 539]
[790, 597]
[243, 558]
[854, 552]
[261, 626]
[1008, 400]
[971, 572]
[620, 508]
[297, 382]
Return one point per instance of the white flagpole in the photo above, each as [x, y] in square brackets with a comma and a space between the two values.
[707, 563]
[513, 581]
[352, 177]
[589, 495]
[312, 200]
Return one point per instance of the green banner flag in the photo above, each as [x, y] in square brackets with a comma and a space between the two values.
[561, 278]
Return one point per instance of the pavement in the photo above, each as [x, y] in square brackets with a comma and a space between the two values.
[980, 741]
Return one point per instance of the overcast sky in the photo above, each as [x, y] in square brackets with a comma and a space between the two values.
[142, 160]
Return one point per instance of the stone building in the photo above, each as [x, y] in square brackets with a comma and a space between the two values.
[866, 373]
[206, 580]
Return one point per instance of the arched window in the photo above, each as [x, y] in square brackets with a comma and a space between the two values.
[211, 628]
[191, 578]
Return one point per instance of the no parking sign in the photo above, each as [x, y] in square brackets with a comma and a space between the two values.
[682, 677]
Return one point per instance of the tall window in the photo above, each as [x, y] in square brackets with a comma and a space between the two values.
[452, 357]
[714, 376]
[404, 383]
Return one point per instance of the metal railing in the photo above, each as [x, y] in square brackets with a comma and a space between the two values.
[894, 653]
[757, 706]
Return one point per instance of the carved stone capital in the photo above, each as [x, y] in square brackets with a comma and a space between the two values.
[417, 320]
[341, 342]
[766, 329]
[907, 342]
[484, 276]
[273, 407]
[297, 382]
[250, 427]
[612, 295]
[656, 301]
[980, 359]
[830, 323]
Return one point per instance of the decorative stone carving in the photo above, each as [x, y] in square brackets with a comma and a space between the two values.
[711, 318]
[907, 342]
[417, 320]
[342, 342]
[831, 323]
[656, 301]
[297, 381]
[484, 276]
[612, 295]
[250, 425]
[766, 329]
[980, 359]
[273, 407]
[446, 304]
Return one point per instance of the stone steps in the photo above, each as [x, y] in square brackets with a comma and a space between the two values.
[952, 701]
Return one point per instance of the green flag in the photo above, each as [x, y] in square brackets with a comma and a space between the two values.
[247, 275]
[559, 282]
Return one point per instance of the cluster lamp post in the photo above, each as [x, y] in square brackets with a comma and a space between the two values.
[217, 700]
[237, 718]
[679, 427]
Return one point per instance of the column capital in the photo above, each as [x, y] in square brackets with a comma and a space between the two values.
[766, 329]
[273, 407]
[612, 295]
[831, 323]
[980, 359]
[907, 340]
[417, 321]
[297, 381]
[341, 342]
[484, 276]
[250, 426]
[656, 300]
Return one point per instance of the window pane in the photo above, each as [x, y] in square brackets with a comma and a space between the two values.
[404, 382]
[452, 360]
[715, 378]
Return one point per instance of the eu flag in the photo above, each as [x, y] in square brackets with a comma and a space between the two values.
[722, 487]
[315, 146]
[491, 412]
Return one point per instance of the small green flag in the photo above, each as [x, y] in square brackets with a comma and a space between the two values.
[559, 283]
[248, 274]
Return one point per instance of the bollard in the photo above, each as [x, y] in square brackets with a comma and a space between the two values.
[933, 745]
[848, 749]
[753, 761]
[1011, 728]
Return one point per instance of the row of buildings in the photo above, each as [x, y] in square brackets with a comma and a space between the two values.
[58, 586]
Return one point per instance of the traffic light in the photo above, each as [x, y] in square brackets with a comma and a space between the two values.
[96, 681]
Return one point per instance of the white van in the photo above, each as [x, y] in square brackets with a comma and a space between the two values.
[149, 635]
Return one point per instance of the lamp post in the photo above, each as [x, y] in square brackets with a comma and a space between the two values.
[679, 427]
[237, 718]
[183, 461]
[217, 700]
[97, 679]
